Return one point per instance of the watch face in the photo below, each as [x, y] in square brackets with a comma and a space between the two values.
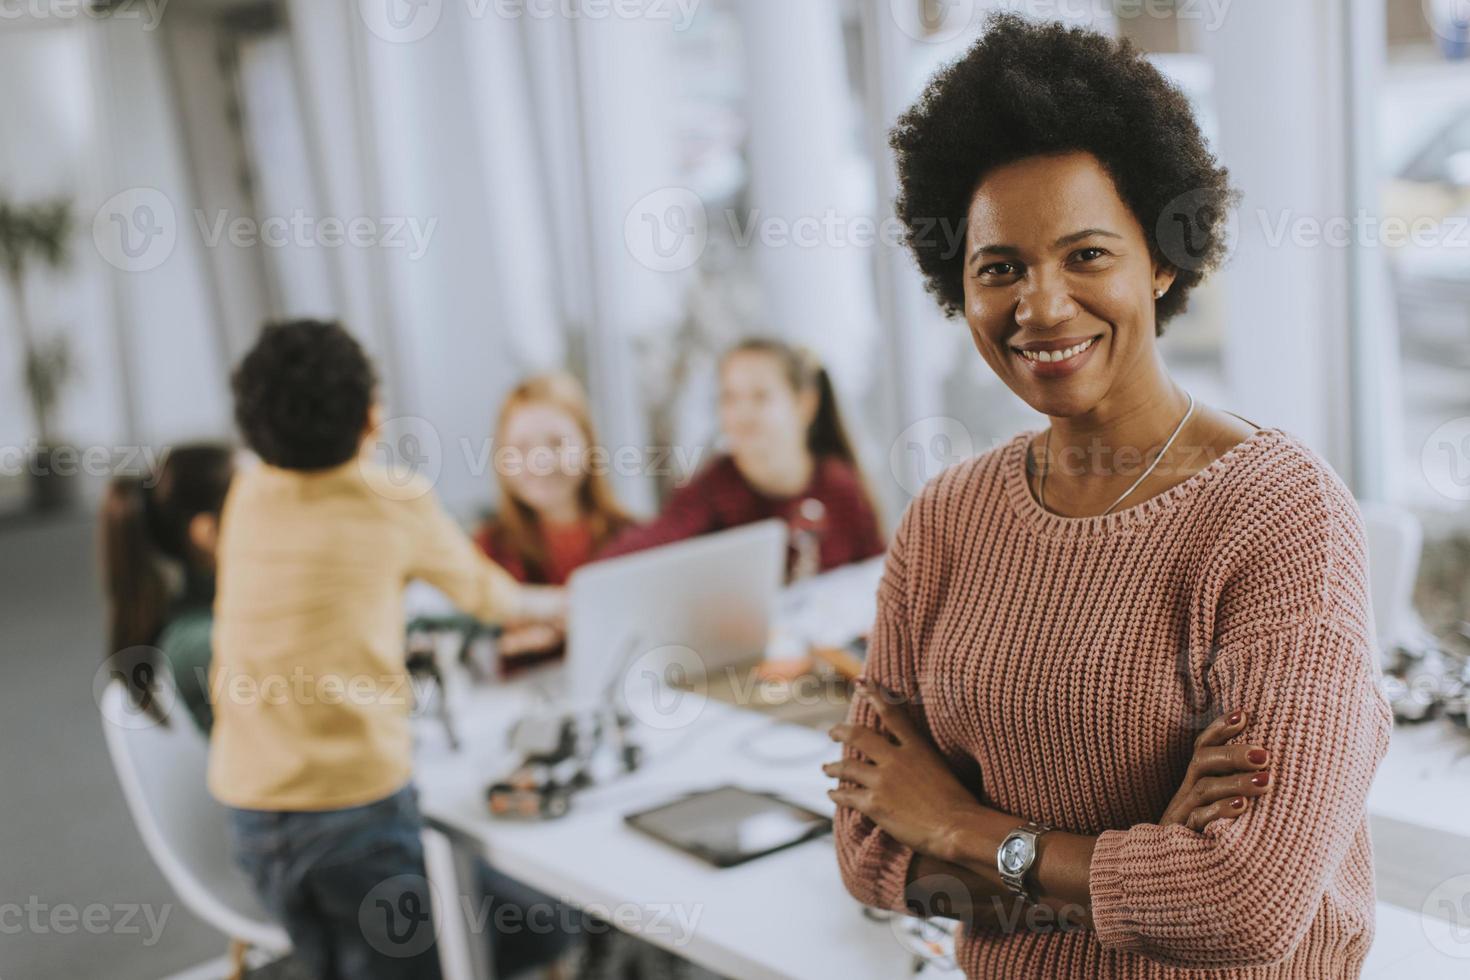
[1015, 853]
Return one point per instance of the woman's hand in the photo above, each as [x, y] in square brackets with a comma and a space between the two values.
[1221, 779]
[519, 641]
[902, 782]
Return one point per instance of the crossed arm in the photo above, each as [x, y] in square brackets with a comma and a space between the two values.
[898, 780]
[1308, 698]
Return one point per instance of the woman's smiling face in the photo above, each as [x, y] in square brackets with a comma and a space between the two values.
[1056, 260]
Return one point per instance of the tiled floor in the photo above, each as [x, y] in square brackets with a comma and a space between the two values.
[67, 841]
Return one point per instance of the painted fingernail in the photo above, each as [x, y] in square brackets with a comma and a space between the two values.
[1261, 778]
[1234, 719]
[1257, 757]
[1237, 803]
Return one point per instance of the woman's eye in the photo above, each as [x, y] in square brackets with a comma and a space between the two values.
[1090, 253]
[997, 269]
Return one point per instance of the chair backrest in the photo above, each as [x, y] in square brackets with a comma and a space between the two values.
[162, 772]
[1395, 542]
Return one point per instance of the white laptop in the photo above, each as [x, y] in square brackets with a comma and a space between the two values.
[707, 601]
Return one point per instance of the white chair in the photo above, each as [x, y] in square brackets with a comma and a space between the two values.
[162, 772]
[1395, 543]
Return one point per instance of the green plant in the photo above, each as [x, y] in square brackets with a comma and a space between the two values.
[37, 233]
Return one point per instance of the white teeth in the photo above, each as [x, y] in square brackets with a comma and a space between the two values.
[1049, 357]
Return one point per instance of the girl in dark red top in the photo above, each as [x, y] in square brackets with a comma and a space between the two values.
[789, 457]
[555, 511]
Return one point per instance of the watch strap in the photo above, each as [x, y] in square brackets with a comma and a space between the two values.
[1017, 882]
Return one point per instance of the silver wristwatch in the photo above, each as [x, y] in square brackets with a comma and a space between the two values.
[1016, 855]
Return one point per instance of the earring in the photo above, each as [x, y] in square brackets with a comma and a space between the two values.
[1158, 294]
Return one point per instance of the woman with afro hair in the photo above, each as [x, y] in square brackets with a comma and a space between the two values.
[1120, 712]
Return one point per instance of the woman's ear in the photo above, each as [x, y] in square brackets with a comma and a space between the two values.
[1164, 276]
[204, 534]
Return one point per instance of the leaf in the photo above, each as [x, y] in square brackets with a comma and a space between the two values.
[47, 369]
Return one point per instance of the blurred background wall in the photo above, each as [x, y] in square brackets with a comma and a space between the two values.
[481, 188]
[484, 188]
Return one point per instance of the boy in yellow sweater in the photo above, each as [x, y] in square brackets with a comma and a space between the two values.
[311, 747]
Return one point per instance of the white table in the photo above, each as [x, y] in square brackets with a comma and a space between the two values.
[788, 915]
[1425, 778]
[785, 915]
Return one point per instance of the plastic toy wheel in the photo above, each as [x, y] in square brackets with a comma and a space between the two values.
[555, 804]
[632, 757]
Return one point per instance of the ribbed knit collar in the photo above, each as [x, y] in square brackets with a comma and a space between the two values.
[1044, 522]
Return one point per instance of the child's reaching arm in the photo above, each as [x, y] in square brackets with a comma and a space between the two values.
[446, 558]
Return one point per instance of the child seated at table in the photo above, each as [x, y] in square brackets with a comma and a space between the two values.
[312, 746]
[790, 457]
[556, 509]
[158, 542]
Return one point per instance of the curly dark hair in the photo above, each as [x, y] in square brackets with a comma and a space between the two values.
[303, 394]
[1028, 89]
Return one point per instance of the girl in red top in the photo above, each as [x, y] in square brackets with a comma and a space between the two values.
[789, 457]
[554, 511]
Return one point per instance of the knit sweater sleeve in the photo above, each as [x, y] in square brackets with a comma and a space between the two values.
[691, 510]
[873, 865]
[1291, 647]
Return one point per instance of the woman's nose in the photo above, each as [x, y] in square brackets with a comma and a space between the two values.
[1045, 305]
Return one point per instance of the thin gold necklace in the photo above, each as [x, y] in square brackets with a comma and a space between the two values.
[1046, 454]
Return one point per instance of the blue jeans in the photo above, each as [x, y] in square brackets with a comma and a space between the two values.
[350, 889]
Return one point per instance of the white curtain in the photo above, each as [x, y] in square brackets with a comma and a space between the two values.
[436, 131]
[142, 221]
[49, 148]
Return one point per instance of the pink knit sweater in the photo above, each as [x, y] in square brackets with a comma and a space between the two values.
[1065, 665]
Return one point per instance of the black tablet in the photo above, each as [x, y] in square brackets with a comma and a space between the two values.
[728, 825]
